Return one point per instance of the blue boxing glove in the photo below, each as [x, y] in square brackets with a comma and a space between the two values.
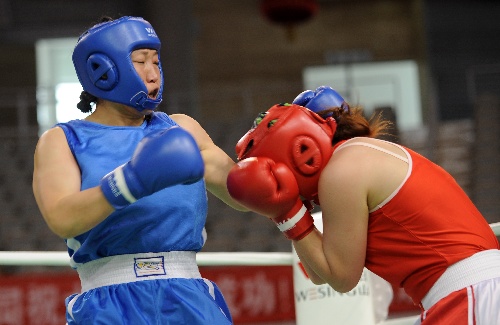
[163, 159]
[322, 98]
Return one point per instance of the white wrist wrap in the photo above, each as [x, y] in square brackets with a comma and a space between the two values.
[290, 223]
[121, 185]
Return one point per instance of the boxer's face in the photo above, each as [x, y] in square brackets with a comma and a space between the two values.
[147, 66]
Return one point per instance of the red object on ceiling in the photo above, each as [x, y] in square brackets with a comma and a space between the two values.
[289, 12]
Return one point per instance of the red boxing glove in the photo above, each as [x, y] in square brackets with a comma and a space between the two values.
[270, 189]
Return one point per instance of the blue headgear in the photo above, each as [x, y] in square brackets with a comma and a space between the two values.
[322, 98]
[102, 61]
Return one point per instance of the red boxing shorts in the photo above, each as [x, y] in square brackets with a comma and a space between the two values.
[468, 293]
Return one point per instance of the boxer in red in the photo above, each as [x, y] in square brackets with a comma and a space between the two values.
[384, 207]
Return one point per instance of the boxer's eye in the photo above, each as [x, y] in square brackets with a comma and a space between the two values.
[258, 119]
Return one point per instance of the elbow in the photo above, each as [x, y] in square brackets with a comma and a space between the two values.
[61, 231]
[343, 288]
[344, 279]
[59, 227]
[317, 280]
[344, 285]
[336, 285]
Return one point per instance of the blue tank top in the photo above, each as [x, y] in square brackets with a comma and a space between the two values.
[172, 219]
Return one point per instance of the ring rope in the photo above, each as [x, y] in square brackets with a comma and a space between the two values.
[31, 258]
[27, 258]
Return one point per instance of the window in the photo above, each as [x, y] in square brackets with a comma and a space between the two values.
[58, 88]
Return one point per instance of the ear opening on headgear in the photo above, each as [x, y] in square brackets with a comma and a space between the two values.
[102, 71]
[306, 155]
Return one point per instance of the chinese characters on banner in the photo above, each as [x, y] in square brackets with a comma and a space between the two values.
[255, 294]
[35, 298]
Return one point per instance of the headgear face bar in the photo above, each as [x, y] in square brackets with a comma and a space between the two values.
[103, 64]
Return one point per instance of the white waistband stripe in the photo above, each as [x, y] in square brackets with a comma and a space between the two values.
[137, 267]
[479, 267]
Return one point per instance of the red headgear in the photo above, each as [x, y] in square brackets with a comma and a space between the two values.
[293, 135]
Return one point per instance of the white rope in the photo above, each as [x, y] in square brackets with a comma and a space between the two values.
[31, 258]
[496, 228]
[408, 320]
[23, 258]
[244, 258]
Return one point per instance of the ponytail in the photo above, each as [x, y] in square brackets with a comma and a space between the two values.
[86, 100]
[352, 123]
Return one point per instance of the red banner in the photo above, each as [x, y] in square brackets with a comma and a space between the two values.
[255, 294]
[36, 298]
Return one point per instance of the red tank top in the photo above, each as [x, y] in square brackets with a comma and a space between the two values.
[429, 224]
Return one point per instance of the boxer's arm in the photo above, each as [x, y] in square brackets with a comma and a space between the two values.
[56, 186]
[337, 256]
[217, 162]
[315, 239]
[163, 159]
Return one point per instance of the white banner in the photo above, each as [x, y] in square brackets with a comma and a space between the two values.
[366, 304]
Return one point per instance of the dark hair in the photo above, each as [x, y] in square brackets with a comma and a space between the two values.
[352, 123]
[104, 19]
[86, 100]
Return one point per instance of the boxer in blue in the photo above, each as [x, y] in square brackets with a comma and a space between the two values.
[126, 188]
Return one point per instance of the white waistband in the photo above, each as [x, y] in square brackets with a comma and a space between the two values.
[138, 267]
[479, 267]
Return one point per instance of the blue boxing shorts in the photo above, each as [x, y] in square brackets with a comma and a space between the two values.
[153, 288]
